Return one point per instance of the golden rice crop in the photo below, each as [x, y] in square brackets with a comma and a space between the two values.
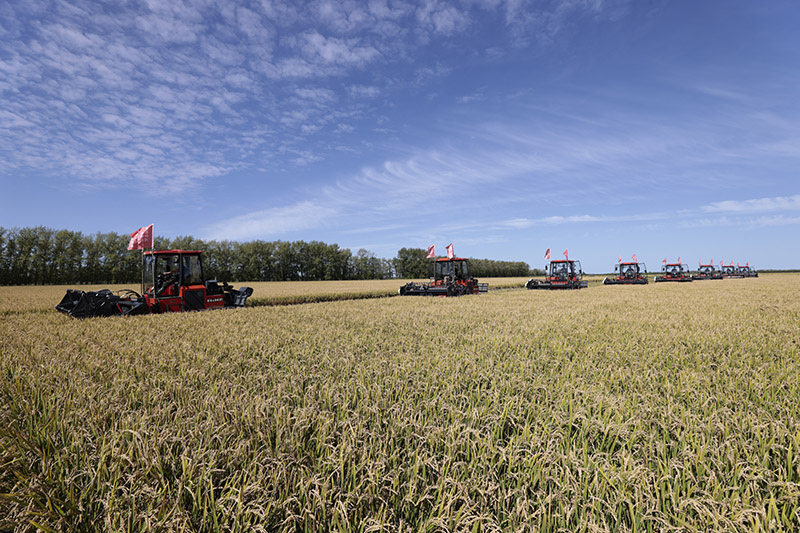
[661, 407]
[14, 300]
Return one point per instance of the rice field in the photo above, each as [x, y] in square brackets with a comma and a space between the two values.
[14, 300]
[667, 407]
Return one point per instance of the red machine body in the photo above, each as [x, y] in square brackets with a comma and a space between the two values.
[174, 281]
[450, 278]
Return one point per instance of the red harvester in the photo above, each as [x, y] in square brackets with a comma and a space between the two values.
[628, 274]
[674, 272]
[175, 283]
[707, 272]
[561, 274]
[450, 278]
[748, 272]
[730, 271]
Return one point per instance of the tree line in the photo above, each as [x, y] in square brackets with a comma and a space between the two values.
[40, 255]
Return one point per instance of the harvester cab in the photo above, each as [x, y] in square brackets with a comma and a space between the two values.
[628, 274]
[450, 278]
[450, 269]
[707, 272]
[730, 271]
[748, 272]
[561, 274]
[172, 280]
[674, 272]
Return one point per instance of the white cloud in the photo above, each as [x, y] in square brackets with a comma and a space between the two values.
[334, 51]
[524, 223]
[272, 222]
[778, 203]
[723, 93]
[316, 96]
[12, 120]
[778, 220]
[469, 98]
[442, 18]
[363, 91]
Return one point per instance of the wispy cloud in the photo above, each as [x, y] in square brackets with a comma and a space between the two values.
[496, 167]
[758, 205]
[770, 221]
[522, 223]
[272, 222]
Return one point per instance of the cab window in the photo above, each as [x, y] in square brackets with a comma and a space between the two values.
[192, 272]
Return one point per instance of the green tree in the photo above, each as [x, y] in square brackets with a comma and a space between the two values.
[411, 263]
[366, 266]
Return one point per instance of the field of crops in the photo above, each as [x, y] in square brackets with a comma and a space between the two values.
[653, 408]
[14, 300]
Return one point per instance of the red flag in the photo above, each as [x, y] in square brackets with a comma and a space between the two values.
[450, 253]
[747, 264]
[679, 260]
[634, 259]
[566, 254]
[664, 261]
[712, 262]
[731, 262]
[547, 254]
[699, 263]
[141, 238]
[619, 259]
[431, 252]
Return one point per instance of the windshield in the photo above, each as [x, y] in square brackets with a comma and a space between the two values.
[192, 271]
[453, 269]
[674, 270]
[562, 269]
[629, 270]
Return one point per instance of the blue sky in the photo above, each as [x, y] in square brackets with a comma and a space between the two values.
[661, 128]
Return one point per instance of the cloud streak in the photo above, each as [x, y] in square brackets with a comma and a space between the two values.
[757, 205]
[271, 223]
